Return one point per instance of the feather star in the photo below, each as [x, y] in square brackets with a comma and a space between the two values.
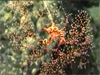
[54, 32]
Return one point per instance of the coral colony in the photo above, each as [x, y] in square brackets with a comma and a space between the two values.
[76, 45]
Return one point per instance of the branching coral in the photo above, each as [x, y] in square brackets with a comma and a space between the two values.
[76, 46]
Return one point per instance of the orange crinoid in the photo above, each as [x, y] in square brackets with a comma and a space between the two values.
[54, 32]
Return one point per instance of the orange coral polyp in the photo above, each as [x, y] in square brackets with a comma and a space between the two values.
[54, 32]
